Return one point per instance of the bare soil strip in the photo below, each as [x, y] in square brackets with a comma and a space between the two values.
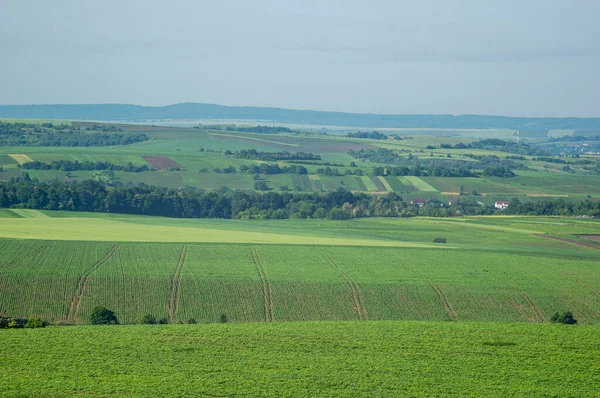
[588, 245]
[266, 286]
[175, 284]
[83, 280]
[447, 306]
[357, 300]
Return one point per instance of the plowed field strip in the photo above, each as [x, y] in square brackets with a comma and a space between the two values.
[266, 287]
[82, 282]
[357, 300]
[175, 285]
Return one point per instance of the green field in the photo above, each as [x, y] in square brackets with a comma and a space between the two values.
[324, 359]
[60, 265]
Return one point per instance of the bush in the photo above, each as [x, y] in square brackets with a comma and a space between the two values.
[148, 319]
[439, 240]
[565, 318]
[192, 321]
[103, 316]
[163, 321]
[10, 323]
[224, 318]
[33, 323]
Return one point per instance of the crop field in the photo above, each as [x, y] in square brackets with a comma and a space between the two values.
[308, 359]
[491, 269]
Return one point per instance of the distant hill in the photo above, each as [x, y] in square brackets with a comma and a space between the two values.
[279, 115]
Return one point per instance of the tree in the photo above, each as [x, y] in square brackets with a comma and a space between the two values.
[35, 323]
[103, 316]
[223, 318]
[148, 319]
[564, 318]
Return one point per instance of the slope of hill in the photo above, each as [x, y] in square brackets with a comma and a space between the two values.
[127, 112]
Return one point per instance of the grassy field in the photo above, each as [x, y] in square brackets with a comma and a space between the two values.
[60, 265]
[325, 359]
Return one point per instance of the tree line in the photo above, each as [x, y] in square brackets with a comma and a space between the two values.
[190, 202]
[22, 134]
[68, 165]
[253, 154]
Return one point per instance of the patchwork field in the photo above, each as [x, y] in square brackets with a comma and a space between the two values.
[492, 269]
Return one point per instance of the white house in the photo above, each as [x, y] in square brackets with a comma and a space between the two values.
[501, 205]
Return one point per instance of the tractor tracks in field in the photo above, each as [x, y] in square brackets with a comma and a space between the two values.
[357, 299]
[175, 286]
[537, 315]
[448, 308]
[266, 286]
[444, 300]
[83, 280]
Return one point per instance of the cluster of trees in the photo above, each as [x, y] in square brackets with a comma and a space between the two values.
[374, 135]
[16, 323]
[266, 168]
[68, 165]
[495, 144]
[253, 154]
[413, 166]
[436, 171]
[550, 160]
[189, 202]
[263, 168]
[554, 207]
[328, 171]
[22, 134]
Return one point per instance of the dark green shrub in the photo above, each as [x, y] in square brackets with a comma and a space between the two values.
[224, 318]
[163, 321]
[192, 321]
[564, 318]
[439, 240]
[33, 323]
[103, 316]
[148, 319]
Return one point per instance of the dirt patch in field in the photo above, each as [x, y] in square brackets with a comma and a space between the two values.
[588, 245]
[595, 238]
[162, 162]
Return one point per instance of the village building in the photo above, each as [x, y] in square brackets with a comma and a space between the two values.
[502, 205]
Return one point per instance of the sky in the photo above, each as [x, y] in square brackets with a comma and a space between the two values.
[501, 57]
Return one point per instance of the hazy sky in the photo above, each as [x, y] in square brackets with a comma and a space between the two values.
[511, 57]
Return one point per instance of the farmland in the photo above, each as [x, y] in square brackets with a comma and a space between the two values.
[333, 359]
[194, 157]
[491, 269]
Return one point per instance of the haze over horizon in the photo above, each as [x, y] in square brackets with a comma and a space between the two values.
[514, 58]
